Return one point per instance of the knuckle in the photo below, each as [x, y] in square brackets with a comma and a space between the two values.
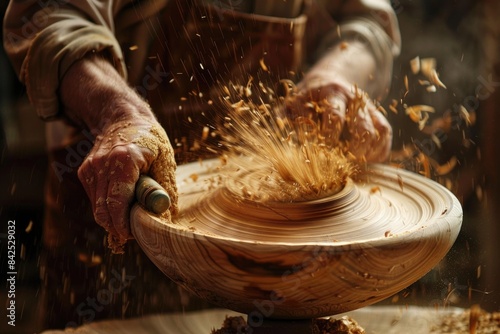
[120, 151]
[123, 189]
[114, 204]
[101, 214]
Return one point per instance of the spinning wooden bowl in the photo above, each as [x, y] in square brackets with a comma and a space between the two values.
[383, 231]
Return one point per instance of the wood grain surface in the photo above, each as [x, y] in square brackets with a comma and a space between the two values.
[385, 230]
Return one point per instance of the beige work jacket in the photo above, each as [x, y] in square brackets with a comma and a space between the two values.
[163, 46]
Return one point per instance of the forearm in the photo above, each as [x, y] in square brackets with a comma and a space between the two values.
[94, 95]
[128, 142]
[347, 63]
[363, 45]
[53, 35]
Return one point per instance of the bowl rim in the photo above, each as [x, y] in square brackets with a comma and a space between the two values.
[451, 217]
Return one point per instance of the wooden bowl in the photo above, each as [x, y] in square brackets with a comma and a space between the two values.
[383, 231]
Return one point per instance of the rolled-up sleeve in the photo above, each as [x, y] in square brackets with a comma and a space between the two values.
[44, 38]
[373, 22]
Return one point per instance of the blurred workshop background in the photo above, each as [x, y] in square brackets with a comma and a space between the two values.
[464, 38]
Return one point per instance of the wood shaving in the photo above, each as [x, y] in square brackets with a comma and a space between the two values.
[446, 167]
[263, 65]
[301, 164]
[472, 321]
[393, 106]
[431, 89]
[466, 116]
[419, 114]
[424, 82]
[427, 65]
[413, 157]
[434, 77]
[205, 132]
[343, 325]
[400, 182]
[415, 65]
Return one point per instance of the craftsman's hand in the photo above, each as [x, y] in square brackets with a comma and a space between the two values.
[123, 151]
[128, 142]
[344, 115]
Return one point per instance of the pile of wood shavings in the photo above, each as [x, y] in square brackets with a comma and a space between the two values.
[473, 321]
[344, 325]
[293, 156]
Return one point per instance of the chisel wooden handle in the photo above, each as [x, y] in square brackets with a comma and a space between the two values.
[151, 195]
